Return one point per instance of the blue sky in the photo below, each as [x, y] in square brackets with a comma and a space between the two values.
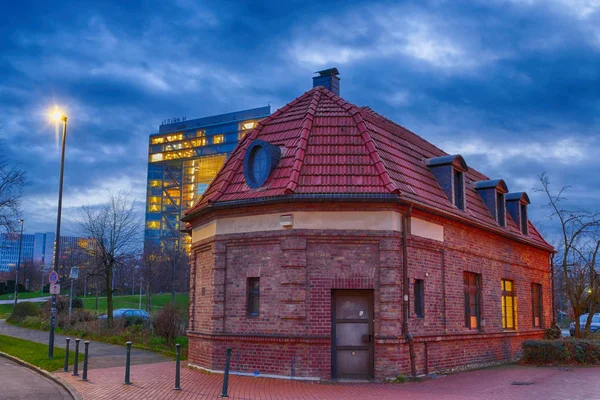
[513, 86]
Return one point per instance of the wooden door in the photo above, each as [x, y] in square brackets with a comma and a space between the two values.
[352, 334]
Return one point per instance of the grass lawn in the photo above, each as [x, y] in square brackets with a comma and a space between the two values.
[158, 301]
[33, 353]
[5, 310]
[26, 295]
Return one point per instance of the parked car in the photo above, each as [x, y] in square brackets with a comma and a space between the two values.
[129, 314]
[595, 327]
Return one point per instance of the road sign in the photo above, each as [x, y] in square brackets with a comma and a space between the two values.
[55, 288]
[53, 278]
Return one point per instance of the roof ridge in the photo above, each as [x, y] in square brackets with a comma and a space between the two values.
[237, 161]
[354, 111]
[300, 152]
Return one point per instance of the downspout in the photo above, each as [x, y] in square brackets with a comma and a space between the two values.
[553, 290]
[405, 291]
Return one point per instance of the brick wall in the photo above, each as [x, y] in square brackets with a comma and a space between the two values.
[299, 269]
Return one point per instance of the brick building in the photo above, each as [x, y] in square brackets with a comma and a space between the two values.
[334, 240]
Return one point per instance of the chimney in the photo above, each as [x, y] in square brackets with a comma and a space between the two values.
[329, 79]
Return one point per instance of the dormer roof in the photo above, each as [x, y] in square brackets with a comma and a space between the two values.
[520, 196]
[456, 160]
[497, 184]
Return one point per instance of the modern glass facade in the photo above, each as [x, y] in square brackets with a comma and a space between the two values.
[183, 159]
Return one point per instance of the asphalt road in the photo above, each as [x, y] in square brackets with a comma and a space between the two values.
[19, 382]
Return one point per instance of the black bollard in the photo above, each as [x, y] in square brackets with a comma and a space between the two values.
[66, 368]
[177, 366]
[128, 364]
[76, 362]
[226, 374]
[85, 359]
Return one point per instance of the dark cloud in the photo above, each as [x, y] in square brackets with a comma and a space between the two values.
[512, 85]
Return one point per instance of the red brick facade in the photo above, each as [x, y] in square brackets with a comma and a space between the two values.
[298, 270]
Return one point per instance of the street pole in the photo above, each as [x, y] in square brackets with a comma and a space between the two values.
[42, 269]
[57, 238]
[140, 307]
[18, 263]
[71, 300]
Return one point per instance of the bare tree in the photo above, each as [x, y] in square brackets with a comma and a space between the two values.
[32, 271]
[12, 181]
[151, 265]
[114, 229]
[176, 260]
[577, 256]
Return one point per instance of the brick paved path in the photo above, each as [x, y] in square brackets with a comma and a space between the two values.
[155, 381]
[102, 355]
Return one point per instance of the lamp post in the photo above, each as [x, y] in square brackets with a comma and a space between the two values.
[18, 262]
[57, 116]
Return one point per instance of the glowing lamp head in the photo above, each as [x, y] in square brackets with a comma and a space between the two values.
[57, 115]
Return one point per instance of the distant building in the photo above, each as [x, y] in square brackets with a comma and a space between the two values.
[183, 159]
[9, 250]
[38, 247]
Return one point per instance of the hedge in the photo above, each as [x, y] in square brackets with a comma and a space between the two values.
[580, 351]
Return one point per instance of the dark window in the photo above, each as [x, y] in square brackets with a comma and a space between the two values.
[536, 301]
[524, 219]
[459, 192]
[500, 209]
[253, 295]
[472, 285]
[419, 298]
[509, 309]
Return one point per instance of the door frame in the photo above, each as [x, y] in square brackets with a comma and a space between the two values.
[352, 292]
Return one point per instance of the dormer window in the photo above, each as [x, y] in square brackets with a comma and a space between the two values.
[449, 171]
[459, 189]
[500, 209]
[516, 205]
[492, 193]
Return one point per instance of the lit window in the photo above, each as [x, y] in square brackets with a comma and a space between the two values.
[248, 125]
[241, 135]
[155, 183]
[153, 208]
[200, 133]
[218, 139]
[154, 200]
[536, 300]
[153, 225]
[253, 297]
[156, 157]
[472, 287]
[158, 140]
[509, 311]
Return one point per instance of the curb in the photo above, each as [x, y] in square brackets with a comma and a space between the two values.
[52, 377]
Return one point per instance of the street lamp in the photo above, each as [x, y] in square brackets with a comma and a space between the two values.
[57, 116]
[18, 262]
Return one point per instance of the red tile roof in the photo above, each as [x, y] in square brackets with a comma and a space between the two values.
[330, 146]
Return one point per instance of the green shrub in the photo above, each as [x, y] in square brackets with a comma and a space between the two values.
[169, 323]
[579, 351]
[22, 310]
[62, 305]
[554, 332]
[34, 322]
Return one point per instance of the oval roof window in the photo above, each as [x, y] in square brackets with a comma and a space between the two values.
[260, 160]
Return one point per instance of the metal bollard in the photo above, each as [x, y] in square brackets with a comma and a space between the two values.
[66, 368]
[85, 359]
[76, 362]
[177, 366]
[226, 374]
[128, 364]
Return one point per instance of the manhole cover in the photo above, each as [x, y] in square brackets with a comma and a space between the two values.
[517, 383]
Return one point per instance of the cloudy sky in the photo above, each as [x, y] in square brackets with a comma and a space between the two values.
[513, 86]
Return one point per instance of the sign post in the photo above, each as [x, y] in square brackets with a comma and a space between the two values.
[54, 290]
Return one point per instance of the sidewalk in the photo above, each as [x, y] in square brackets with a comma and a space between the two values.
[514, 382]
[102, 355]
[20, 382]
[31, 300]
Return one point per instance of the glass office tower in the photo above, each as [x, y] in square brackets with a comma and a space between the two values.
[183, 159]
